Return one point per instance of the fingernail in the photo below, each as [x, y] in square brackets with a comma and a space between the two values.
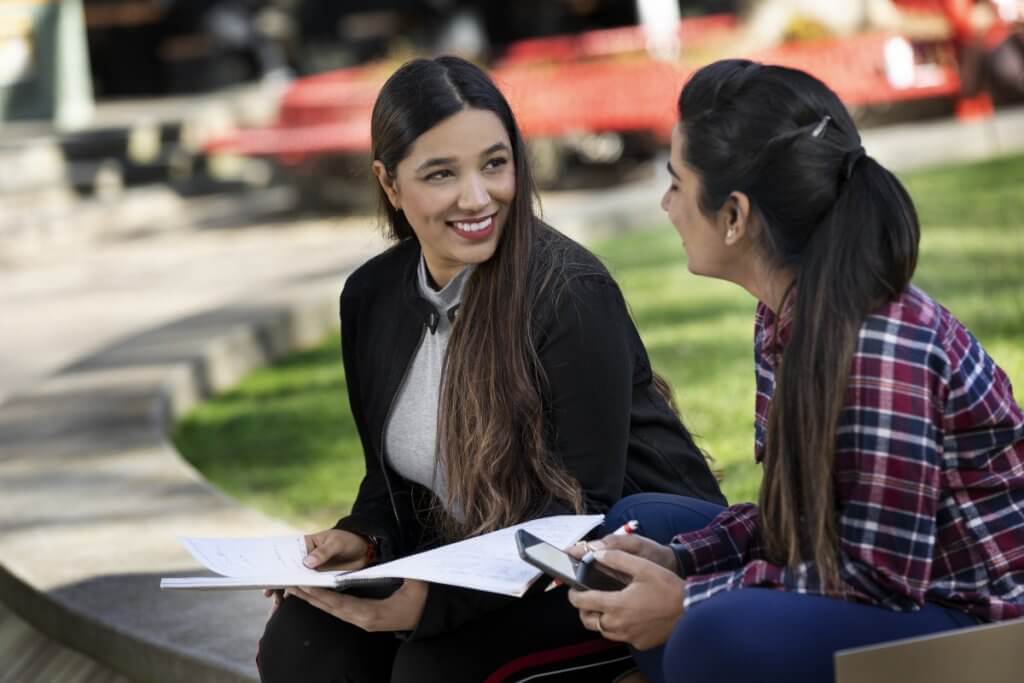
[309, 561]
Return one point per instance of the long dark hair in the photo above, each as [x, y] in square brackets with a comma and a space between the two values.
[491, 437]
[843, 225]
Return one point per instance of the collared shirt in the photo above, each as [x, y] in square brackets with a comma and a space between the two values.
[929, 475]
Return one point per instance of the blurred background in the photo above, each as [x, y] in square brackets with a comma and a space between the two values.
[101, 96]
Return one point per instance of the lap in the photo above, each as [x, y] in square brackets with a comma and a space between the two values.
[661, 515]
[301, 642]
[539, 633]
[766, 635]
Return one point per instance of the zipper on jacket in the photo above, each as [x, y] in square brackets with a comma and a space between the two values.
[387, 420]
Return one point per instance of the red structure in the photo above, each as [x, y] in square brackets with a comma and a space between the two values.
[596, 83]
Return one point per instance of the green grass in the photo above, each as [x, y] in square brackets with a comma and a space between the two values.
[283, 440]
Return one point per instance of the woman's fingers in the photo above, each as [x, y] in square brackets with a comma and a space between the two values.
[642, 614]
[635, 545]
[622, 561]
[335, 549]
[276, 596]
[399, 612]
[656, 552]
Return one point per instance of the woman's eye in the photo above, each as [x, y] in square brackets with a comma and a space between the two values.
[439, 175]
[496, 162]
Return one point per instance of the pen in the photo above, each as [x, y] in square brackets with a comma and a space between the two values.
[630, 527]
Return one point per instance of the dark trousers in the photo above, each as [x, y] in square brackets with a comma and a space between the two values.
[758, 634]
[538, 633]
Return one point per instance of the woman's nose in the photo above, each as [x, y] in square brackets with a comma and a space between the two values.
[474, 194]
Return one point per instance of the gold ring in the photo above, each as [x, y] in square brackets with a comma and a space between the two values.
[600, 629]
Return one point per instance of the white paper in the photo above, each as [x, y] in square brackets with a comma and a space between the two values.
[323, 580]
[489, 563]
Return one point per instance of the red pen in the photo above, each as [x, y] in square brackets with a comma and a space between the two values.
[630, 527]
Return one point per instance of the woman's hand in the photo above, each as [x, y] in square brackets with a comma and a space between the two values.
[643, 613]
[327, 550]
[277, 597]
[399, 612]
[336, 549]
[652, 551]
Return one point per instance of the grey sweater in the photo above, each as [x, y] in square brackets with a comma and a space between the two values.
[411, 436]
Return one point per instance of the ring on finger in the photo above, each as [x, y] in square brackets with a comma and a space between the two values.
[600, 628]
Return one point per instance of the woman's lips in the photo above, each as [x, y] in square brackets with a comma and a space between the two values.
[475, 230]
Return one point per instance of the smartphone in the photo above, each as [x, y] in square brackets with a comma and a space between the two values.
[558, 564]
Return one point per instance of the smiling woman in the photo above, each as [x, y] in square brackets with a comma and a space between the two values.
[494, 376]
[455, 190]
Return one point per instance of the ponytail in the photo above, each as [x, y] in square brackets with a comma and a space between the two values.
[861, 256]
[844, 227]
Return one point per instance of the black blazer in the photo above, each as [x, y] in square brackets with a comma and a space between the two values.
[609, 427]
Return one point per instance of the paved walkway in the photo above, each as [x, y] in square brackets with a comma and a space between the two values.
[62, 307]
[28, 657]
[62, 303]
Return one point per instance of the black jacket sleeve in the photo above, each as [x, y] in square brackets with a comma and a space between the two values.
[586, 348]
[372, 512]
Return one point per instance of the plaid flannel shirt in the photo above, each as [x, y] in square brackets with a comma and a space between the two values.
[929, 476]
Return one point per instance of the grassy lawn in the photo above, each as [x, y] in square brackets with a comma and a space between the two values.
[284, 441]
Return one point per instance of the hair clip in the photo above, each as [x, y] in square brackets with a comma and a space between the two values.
[820, 128]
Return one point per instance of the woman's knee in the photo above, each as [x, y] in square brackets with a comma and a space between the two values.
[623, 511]
[661, 515]
[301, 642]
[283, 643]
[752, 634]
[702, 644]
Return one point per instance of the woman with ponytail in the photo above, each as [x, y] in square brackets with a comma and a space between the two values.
[892, 502]
[495, 376]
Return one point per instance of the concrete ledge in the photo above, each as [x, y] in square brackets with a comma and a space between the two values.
[92, 494]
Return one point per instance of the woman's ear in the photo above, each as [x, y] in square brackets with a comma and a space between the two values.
[387, 182]
[734, 218]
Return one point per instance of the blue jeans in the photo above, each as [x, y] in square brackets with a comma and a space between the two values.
[757, 634]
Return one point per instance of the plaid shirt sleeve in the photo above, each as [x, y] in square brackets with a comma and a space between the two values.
[728, 542]
[888, 468]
